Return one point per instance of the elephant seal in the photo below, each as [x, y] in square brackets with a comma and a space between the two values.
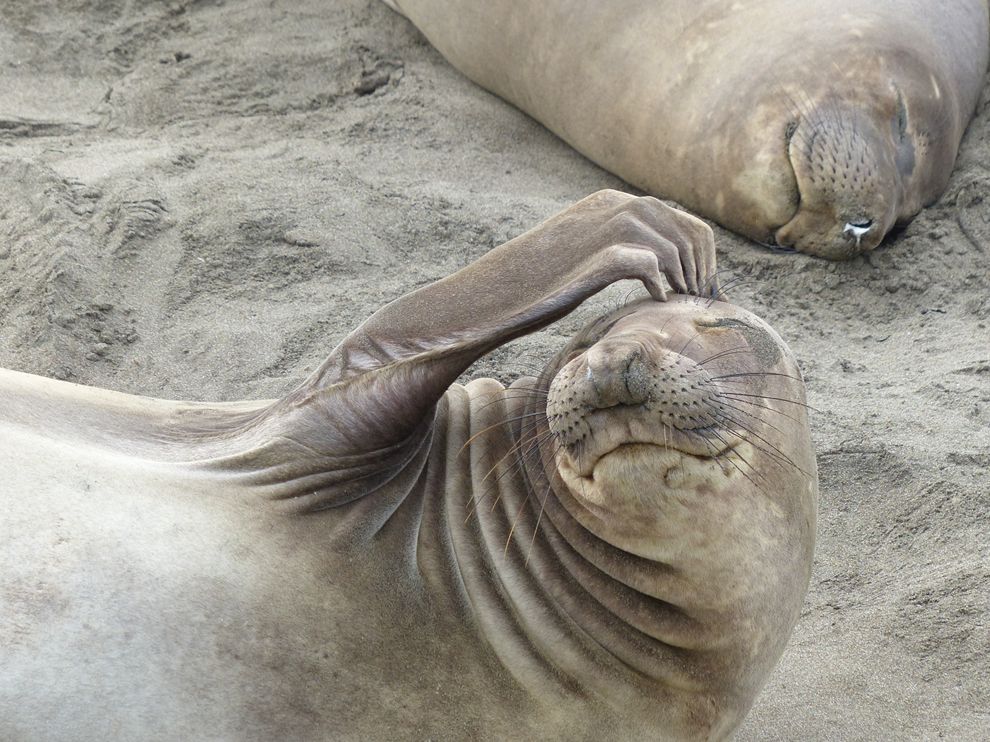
[813, 126]
[615, 549]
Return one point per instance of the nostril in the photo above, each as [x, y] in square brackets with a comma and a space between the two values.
[855, 230]
[861, 226]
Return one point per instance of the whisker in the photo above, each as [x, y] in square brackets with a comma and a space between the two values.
[515, 520]
[521, 395]
[630, 294]
[715, 275]
[736, 281]
[755, 373]
[741, 282]
[515, 448]
[536, 529]
[773, 451]
[752, 416]
[721, 291]
[724, 353]
[528, 440]
[691, 340]
[517, 465]
[734, 451]
[762, 407]
[728, 457]
[499, 424]
[735, 395]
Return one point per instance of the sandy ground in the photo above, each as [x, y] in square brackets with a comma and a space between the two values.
[199, 199]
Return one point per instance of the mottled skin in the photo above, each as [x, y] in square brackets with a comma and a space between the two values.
[808, 124]
[384, 554]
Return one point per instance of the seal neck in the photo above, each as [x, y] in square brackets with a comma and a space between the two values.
[562, 609]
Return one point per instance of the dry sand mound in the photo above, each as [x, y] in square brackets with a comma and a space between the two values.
[201, 198]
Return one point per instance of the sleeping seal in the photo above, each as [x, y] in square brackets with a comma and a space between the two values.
[808, 125]
[616, 549]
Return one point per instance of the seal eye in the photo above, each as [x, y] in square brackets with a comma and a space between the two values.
[902, 117]
[789, 132]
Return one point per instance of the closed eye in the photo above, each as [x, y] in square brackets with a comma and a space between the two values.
[902, 117]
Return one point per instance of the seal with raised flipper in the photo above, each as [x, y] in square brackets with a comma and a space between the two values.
[814, 126]
[616, 549]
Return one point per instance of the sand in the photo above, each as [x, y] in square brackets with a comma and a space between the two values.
[200, 199]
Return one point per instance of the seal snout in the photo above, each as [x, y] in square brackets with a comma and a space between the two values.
[856, 231]
[849, 184]
[629, 389]
[619, 373]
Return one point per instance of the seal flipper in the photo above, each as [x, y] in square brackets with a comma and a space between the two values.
[364, 416]
[368, 412]
[378, 389]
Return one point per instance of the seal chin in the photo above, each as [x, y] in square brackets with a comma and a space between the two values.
[826, 235]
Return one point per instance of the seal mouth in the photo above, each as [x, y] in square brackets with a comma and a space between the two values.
[643, 470]
[698, 444]
[632, 449]
[771, 244]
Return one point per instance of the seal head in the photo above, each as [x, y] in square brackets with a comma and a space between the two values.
[849, 180]
[680, 438]
[865, 162]
[638, 397]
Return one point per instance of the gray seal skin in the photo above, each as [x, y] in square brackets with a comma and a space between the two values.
[802, 124]
[617, 549]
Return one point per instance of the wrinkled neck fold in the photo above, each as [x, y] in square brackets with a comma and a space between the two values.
[562, 609]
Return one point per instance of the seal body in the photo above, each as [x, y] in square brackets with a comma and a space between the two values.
[616, 549]
[808, 125]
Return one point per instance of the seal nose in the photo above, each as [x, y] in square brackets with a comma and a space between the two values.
[856, 230]
[647, 392]
[620, 372]
[637, 371]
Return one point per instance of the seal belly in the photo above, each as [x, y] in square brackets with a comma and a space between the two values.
[143, 599]
[113, 580]
[141, 604]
